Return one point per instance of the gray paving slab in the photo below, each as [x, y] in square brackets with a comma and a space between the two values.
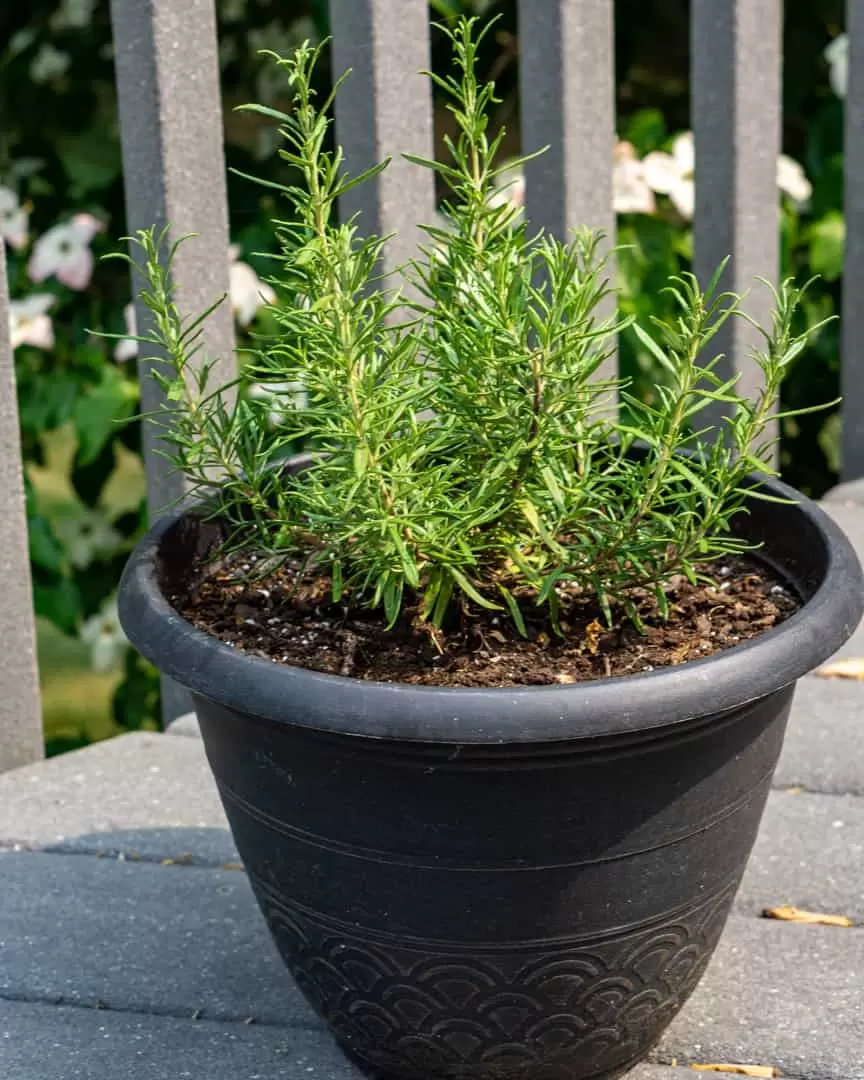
[824, 747]
[174, 940]
[850, 517]
[778, 994]
[848, 511]
[849, 494]
[184, 941]
[127, 795]
[854, 646]
[45, 1042]
[809, 853]
[198, 847]
[666, 1072]
[185, 725]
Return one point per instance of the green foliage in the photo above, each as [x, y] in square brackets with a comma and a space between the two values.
[137, 699]
[466, 451]
[827, 244]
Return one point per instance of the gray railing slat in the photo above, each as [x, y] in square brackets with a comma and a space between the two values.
[567, 72]
[567, 87]
[383, 110]
[174, 174]
[853, 277]
[21, 741]
[736, 60]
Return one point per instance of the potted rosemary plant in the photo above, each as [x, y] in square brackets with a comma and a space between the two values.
[493, 681]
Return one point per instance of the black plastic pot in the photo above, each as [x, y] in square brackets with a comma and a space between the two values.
[500, 884]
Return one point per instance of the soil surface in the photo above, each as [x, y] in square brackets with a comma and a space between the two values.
[294, 621]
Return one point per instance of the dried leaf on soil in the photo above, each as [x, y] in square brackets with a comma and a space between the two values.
[592, 636]
[852, 667]
[788, 913]
[740, 1070]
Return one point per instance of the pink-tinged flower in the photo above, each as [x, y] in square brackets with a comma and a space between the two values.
[127, 349]
[29, 323]
[64, 252]
[248, 292]
[13, 219]
[631, 193]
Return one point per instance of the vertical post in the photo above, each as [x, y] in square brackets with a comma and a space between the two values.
[384, 110]
[736, 79]
[567, 83]
[21, 741]
[567, 87]
[174, 172]
[853, 277]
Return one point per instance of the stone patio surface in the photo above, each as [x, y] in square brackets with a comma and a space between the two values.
[131, 947]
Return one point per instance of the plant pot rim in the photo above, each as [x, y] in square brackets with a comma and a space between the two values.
[619, 706]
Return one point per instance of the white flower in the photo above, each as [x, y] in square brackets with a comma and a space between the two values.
[23, 167]
[64, 251]
[13, 219]
[248, 291]
[672, 174]
[104, 636]
[73, 15]
[837, 55]
[127, 349]
[28, 322]
[792, 180]
[21, 40]
[631, 193]
[87, 534]
[48, 64]
[280, 398]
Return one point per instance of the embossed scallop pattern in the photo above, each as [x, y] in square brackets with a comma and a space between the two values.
[552, 1010]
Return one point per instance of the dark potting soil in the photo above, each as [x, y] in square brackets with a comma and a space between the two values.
[291, 620]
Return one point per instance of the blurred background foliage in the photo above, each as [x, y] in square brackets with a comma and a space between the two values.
[60, 157]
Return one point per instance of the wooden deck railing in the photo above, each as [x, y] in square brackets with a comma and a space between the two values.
[168, 88]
